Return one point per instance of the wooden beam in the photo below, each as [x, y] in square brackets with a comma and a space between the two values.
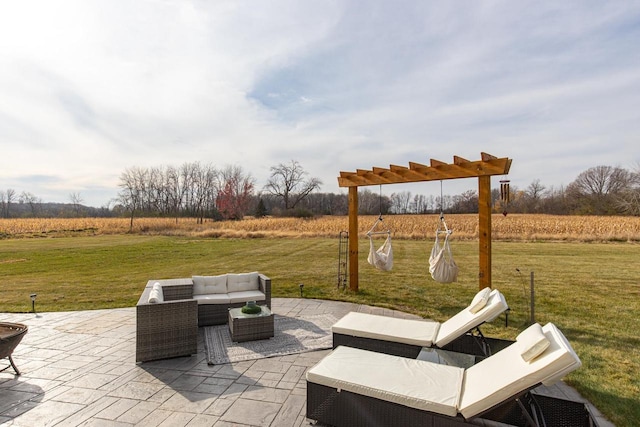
[484, 227]
[408, 173]
[435, 171]
[372, 176]
[350, 179]
[353, 239]
[389, 174]
[486, 157]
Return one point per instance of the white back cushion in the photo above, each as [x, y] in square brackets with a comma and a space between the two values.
[480, 300]
[464, 320]
[505, 374]
[242, 282]
[205, 285]
[532, 342]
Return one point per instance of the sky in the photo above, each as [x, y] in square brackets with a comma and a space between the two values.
[90, 88]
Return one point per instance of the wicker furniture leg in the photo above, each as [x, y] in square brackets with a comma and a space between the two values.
[13, 365]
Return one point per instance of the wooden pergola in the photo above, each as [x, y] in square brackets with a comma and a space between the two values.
[460, 168]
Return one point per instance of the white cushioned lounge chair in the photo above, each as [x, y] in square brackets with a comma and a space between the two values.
[352, 387]
[406, 337]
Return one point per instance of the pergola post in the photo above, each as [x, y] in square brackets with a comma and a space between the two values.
[484, 227]
[353, 239]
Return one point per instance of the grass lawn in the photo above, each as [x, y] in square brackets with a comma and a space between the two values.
[590, 290]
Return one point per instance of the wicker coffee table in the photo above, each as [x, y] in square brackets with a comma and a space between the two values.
[249, 327]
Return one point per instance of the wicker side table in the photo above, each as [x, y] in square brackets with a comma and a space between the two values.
[249, 327]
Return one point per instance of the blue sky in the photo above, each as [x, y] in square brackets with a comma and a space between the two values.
[89, 88]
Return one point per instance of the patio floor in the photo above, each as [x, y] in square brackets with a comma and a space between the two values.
[78, 369]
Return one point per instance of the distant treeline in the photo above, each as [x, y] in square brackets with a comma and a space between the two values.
[203, 191]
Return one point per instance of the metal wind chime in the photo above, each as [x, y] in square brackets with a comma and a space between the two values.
[505, 194]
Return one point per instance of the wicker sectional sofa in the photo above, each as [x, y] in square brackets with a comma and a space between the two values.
[170, 311]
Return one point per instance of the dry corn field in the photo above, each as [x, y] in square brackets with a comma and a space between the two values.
[512, 227]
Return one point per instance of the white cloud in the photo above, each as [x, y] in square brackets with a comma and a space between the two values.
[90, 88]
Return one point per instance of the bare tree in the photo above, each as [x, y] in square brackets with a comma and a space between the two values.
[76, 201]
[421, 204]
[401, 202]
[290, 183]
[132, 183]
[594, 191]
[200, 182]
[7, 199]
[370, 203]
[534, 194]
[31, 200]
[628, 201]
[466, 202]
[175, 191]
[3, 205]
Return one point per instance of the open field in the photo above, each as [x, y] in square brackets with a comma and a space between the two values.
[512, 227]
[590, 290]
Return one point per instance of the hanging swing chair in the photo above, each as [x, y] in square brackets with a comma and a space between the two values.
[381, 258]
[442, 267]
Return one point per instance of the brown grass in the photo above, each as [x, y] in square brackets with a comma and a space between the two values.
[516, 227]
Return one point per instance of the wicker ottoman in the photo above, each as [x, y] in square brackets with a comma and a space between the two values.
[249, 327]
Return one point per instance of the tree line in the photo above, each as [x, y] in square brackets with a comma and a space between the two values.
[204, 191]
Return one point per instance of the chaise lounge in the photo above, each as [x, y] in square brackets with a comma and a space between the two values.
[407, 337]
[355, 387]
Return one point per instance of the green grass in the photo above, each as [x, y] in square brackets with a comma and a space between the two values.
[590, 290]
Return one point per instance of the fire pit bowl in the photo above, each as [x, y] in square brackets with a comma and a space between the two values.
[10, 336]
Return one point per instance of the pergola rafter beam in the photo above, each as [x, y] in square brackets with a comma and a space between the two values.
[436, 170]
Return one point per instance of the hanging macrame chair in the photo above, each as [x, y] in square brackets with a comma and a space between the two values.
[381, 258]
[442, 267]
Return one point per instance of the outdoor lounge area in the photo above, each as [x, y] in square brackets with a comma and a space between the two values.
[169, 311]
[78, 368]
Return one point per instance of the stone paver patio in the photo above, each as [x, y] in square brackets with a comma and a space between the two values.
[78, 369]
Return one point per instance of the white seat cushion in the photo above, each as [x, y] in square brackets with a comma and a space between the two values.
[242, 282]
[213, 299]
[413, 383]
[244, 296]
[407, 331]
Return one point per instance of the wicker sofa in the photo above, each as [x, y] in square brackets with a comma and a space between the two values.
[169, 311]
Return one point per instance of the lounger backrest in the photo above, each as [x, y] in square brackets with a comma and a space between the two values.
[506, 374]
[465, 320]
